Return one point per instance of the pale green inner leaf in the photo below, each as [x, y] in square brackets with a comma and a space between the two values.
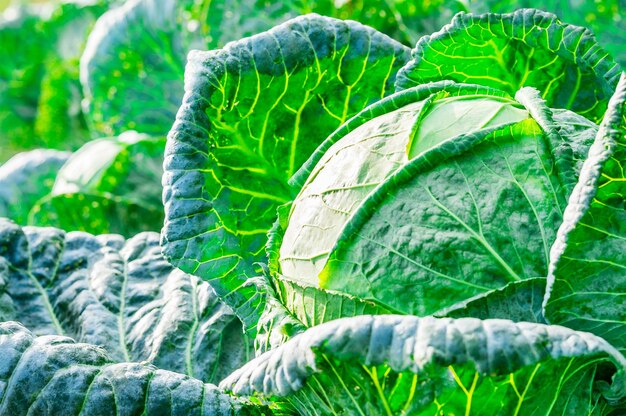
[346, 174]
[354, 166]
[452, 116]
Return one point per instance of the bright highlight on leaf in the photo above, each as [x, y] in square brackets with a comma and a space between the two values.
[449, 117]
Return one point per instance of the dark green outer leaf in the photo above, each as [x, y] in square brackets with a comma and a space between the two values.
[53, 375]
[586, 284]
[252, 113]
[509, 51]
[121, 295]
[424, 362]
[26, 178]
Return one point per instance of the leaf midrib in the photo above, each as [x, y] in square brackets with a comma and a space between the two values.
[44, 297]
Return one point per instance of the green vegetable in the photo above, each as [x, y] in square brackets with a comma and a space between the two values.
[253, 113]
[120, 295]
[110, 185]
[586, 285]
[387, 232]
[55, 375]
[432, 196]
[389, 365]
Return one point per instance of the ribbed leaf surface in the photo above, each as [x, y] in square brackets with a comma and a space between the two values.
[391, 365]
[120, 295]
[587, 288]
[53, 375]
[252, 113]
[526, 48]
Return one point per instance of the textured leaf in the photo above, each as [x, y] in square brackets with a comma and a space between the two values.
[390, 365]
[518, 301]
[108, 185]
[136, 54]
[53, 375]
[510, 51]
[142, 45]
[469, 214]
[586, 285]
[605, 18]
[121, 295]
[26, 178]
[275, 325]
[39, 89]
[252, 113]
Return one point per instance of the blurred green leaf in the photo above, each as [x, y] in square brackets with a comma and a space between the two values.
[110, 185]
[40, 94]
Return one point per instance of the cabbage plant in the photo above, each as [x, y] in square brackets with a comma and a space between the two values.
[351, 227]
[433, 196]
[439, 207]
